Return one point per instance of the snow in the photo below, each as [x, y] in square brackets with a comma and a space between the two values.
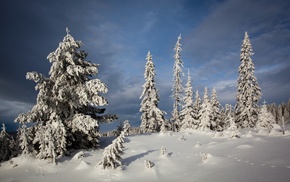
[203, 156]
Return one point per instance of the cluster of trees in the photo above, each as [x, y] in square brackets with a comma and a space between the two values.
[204, 114]
[8, 145]
[67, 112]
[280, 112]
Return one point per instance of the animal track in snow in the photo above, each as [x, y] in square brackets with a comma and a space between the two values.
[251, 163]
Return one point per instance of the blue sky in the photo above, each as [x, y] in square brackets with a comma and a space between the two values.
[118, 34]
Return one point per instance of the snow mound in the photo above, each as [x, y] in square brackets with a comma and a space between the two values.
[198, 144]
[79, 155]
[245, 146]
[201, 157]
[82, 165]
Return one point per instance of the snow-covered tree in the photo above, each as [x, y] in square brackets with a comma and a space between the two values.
[216, 123]
[286, 113]
[7, 145]
[196, 109]
[266, 120]
[248, 90]
[148, 164]
[60, 135]
[112, 154]
[273, 109]
[3, 132]
[225, 113]
[24, 140]
[283, 125]
[67, 102]
[177, 85]
[187, 113]
[126, 127]
[230, 127]
[152, 117]
[279, 113]
[205, 112]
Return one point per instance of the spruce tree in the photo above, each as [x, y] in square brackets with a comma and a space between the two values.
[177, 85]
[112, 154]
[216, 123]
[196, 109]
[67, 103]
[152, 117]
[279, 113]
[187, 113]
[248, 90]
[205, 112]
[266, 120]
[24, 140]
[126, 127]
[7, 145]
[230, 127]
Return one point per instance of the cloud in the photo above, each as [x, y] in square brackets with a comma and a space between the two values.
[117, 35]
[11, 108]
[226, 91]
[214, 45]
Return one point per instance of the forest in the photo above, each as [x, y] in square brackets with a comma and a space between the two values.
[69, 108]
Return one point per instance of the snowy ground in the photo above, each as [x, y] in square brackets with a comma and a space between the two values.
[200, 157]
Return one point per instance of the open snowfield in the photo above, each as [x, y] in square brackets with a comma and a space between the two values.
[198, 156]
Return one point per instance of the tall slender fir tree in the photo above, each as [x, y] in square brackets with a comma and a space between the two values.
[216, 123]
[248, 90]
[177, 85]
[196, 109]
[152, 117]
[205, 112]
[187, 113]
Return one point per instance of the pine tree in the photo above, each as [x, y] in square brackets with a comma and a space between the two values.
[248, 90]
[152, 117]
[50, 149]
[7, 145]
[112, 154]
[187, 113]
[230, 127]
[286, 113]
[273, 109]
[226, 112]
[216, 123]
[266, 120]
[3, 132]
[126, 127]
[24, 140]
[279, 113]
[205, 113]
[60, 135]
[67, 103]
[196, 109]
[177, 85]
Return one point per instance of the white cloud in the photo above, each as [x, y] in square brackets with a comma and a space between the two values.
[13, 108]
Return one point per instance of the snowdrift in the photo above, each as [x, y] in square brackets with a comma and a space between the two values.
[186, 156]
